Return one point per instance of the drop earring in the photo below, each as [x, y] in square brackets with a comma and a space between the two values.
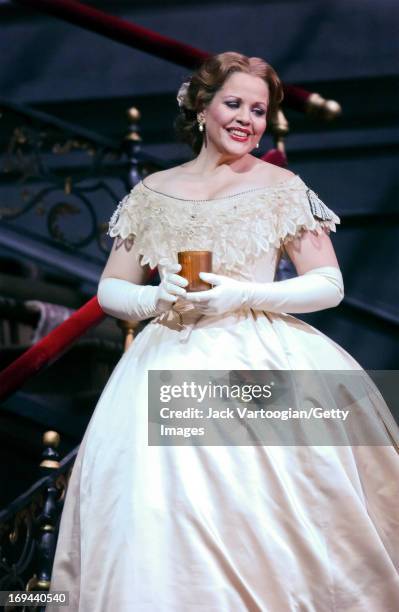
[257, 145]
[201, 128]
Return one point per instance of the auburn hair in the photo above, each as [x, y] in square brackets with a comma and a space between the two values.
[209, 78]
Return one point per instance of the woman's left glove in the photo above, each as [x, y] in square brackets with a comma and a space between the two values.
[227, 294]
[317, 289]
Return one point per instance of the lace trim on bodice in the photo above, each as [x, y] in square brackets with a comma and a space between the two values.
[236, 228]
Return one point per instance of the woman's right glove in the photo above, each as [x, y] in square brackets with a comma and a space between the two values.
[130, 302]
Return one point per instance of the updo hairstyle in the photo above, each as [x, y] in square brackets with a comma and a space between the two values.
[209, 78]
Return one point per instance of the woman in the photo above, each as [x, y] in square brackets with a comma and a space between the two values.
[226, 528]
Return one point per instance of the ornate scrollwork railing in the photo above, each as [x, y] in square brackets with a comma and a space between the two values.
[60, 179]
[29, 526]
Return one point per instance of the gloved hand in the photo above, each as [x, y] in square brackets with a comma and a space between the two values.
[131, 302]
[315, 290]
[171, 285]
[227, 294]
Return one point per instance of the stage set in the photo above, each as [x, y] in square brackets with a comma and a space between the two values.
[198, 293]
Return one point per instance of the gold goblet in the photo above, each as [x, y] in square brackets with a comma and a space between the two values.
[192, 263]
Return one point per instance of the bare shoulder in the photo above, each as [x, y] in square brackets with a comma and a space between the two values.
[271, 174]
[158, 180]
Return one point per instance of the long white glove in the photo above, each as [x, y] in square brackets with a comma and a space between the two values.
[315, 290]
[130, 302]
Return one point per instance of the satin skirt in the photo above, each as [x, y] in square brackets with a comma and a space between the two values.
[227, 528]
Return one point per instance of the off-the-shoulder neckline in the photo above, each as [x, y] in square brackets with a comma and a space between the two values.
[280, 185]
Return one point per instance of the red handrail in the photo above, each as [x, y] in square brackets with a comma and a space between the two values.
[120, 30]
[49, 348]
[142, 38]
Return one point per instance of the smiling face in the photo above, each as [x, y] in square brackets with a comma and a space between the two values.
[235, 119]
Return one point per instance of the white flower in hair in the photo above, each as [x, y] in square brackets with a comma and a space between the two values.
[181, 94]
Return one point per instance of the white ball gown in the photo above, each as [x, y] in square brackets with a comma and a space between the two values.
[226, 528]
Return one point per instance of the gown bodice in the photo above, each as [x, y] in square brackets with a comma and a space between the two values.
[246, 231]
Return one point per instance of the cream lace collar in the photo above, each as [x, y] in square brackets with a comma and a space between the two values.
[237, 228]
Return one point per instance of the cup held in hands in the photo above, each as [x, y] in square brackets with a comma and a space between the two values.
[192, 263]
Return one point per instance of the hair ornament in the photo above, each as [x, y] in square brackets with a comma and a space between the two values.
[181, 94]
